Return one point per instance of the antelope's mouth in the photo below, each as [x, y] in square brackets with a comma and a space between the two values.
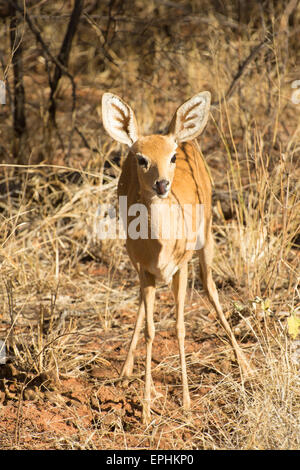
[163, 196]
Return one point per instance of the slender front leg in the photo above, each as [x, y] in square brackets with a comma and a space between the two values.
[179, 289]
[205, 257]
[128, 364]
[148, 293]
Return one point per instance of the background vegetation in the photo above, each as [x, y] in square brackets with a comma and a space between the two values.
[68, 299]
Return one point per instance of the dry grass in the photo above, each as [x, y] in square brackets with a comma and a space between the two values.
[68, 299]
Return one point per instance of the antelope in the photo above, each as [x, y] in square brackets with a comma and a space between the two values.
[161, 171]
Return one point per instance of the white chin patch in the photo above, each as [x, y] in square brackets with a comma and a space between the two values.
[163, 196]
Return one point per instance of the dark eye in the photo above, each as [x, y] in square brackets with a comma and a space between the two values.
[143, 162]
[173, 159]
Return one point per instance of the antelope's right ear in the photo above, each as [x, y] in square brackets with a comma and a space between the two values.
[119, 119]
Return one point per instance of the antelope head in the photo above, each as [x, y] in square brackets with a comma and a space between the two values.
[155, 155]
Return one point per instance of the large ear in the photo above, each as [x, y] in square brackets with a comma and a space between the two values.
[190, 118]
[119, 119]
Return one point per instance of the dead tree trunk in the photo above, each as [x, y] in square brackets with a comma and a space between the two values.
[19, 117]
[63, 56]
[61, 68]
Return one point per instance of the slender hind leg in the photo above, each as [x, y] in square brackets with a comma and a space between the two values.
[179, 289]
[205, 258]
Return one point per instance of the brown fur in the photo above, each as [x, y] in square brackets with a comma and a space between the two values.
[191, 185]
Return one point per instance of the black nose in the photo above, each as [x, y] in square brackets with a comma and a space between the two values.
[161, 186]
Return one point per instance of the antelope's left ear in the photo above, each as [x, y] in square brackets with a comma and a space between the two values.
[190, 118]
[119, 119]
